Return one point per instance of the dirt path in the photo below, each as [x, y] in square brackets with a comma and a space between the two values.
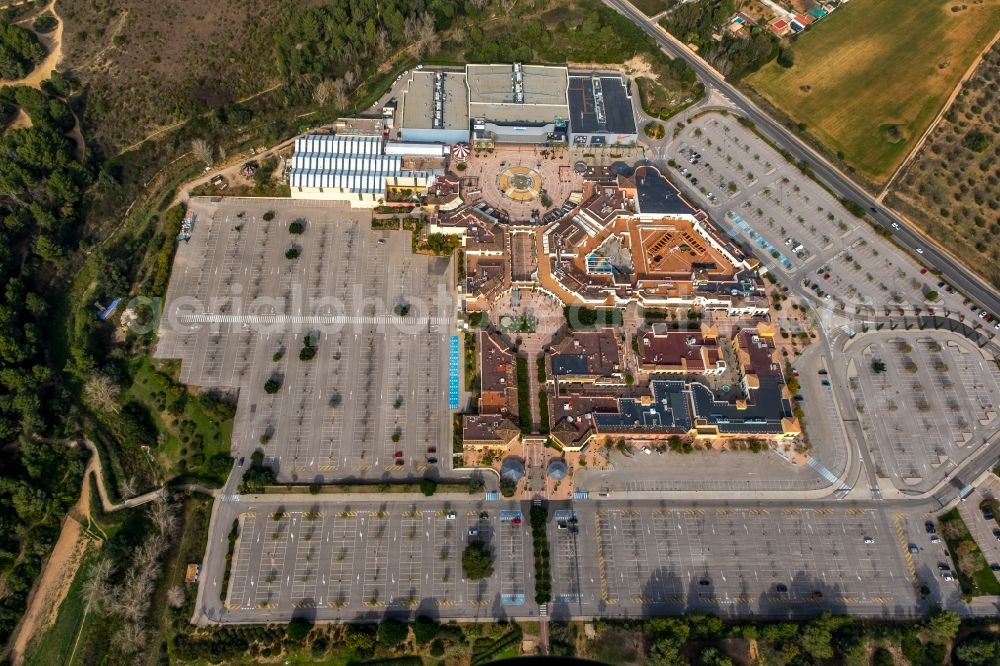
[937, 120]
[53, 43]
[53, 585]
[163, 130]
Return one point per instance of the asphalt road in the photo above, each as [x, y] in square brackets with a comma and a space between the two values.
[907, 238]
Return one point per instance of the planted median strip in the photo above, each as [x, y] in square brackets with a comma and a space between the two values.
[539, 516]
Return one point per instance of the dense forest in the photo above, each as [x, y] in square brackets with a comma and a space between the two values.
[41, 183]
[734, 55]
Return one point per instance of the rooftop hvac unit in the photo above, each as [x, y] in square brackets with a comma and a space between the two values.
[598, 101]
[518, 83]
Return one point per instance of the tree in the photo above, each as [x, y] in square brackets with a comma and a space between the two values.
[175, 596]
[272, 385]
[878, 367]
[978, 651]
[428, 486]
[424, 629]
[338, 95]
[942, 627]
[428, 37]
[201, 151]
[477, 561]
[298, 629]
[712, 656]
[786, 58]
[392, 632]
[102, 393]
[20, 51]
[323, 92]
[817, 637]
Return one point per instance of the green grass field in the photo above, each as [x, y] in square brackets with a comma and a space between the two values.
[208, 436]
[869, 79]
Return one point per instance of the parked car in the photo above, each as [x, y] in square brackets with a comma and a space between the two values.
[781, 588]
[929, 526]
[869, 539]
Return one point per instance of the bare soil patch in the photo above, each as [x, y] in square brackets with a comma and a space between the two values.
[57, 576]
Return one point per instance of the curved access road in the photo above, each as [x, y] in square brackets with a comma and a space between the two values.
[906, 235]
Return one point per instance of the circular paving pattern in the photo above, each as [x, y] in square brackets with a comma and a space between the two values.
[519, 183]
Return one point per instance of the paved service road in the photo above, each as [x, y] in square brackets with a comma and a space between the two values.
[841, 184]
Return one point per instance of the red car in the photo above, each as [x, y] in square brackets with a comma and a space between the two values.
[399, 461]
[397, 454]
[516, 521]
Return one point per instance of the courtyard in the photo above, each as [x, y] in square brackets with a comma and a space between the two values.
[516, 178]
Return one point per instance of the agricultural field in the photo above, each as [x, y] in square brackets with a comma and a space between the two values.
[868, 80]
[951, 188]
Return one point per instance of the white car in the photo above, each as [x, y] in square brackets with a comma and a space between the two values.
[868, 539]
[895, 226]
[919, 250]
[451, 515]
[648, 451]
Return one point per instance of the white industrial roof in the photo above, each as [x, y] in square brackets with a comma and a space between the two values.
[353, 163]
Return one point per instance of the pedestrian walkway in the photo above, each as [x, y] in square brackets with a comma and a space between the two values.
[823, 471]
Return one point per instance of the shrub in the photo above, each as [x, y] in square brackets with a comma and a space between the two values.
[297, 227]
[976, 141]
[268, 216]
[272, 385]
[428, 487]
[292, 253]
[45, 23]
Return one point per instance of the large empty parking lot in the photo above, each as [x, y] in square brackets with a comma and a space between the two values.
[247, 296]
[346, 559]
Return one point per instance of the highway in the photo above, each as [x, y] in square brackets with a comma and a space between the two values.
[908, 238]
